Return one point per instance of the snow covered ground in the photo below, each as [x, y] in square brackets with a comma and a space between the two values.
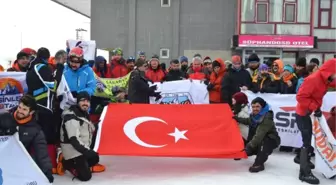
[280, 169]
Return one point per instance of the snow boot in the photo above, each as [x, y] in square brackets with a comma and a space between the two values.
[256, 168]
[297, 161]
[305, 172]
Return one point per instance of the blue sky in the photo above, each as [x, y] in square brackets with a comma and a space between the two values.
[37, 23]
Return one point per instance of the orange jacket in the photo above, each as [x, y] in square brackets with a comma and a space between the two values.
[216, 79]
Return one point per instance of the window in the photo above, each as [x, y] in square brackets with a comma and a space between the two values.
[164, 53]
[165, 3]
[262, 12]
[289, 15]
[324, 13]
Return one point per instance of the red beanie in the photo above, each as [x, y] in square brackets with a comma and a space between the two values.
[29, 51]
[240, 98]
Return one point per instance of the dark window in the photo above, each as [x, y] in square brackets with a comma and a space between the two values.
[262, 9]
[289, 12]
[165, 2]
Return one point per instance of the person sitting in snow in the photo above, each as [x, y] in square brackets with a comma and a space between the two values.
[262, 137]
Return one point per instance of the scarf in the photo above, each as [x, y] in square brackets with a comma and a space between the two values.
[287, 78]
[22, 121]
[256, 119]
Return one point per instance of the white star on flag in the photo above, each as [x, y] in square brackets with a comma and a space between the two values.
[179, 134]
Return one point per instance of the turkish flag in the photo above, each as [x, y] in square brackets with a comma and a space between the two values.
[206, 130]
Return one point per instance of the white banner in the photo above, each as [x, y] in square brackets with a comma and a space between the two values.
[325, 147]
[182, 92]
[89, 47]
[16, 165]
[12, 87]
[283, 106]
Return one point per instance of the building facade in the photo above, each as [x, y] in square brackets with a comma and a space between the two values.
[169, 28]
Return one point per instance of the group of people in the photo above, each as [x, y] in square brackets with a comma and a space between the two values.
[72, 130]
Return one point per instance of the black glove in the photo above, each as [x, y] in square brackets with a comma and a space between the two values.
[262, 90]
[157, 96]
[318, 113]
[74, 94]
[210, 87]
[49, 175]
[249, 150]
[153, 88]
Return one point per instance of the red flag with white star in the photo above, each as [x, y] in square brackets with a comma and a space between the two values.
[169, 130]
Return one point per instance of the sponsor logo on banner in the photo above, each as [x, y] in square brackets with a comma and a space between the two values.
[11, 91]
[176, 98]
[286, 122]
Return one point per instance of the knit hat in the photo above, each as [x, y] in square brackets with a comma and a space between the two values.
[289, 68]
[236, 59]
[21, 54]
[253, 58]
[76, 52]
[83, 95]
[100, 59]
[302, 62]
[183, 59]
[130, 59]
[118, 51]
[141, 53]
[259, 100]
[263, 67]
[29, 51]
[315, 61]
[207, 59]
[198, 55]
[240, 98]
[215, 63]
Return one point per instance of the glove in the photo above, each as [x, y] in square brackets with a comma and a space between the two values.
[262, 90]
[318, 113]
[157, 96]
[49, 175]
[153, 88]
[210, 87]
[249, 150]
[206, 82]
[74, 94]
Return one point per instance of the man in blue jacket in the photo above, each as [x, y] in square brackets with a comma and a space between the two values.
[78, 74]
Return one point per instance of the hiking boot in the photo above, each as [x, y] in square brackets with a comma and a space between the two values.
[297, 161]
[97, 168]
[309, 178]
[256, 168]
[60, 168]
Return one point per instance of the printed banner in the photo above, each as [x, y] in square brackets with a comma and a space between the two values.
[283, 106]
[12, 87]
[325, 147]
[64, 91]
[157, 130]
[89, 47]
[275, 41]
[182, 92]
[104, 85]
[16, 165]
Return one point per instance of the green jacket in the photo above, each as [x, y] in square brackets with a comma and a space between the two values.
[266, 128]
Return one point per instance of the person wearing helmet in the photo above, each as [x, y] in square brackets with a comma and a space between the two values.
[142, 55]
[78, 74]
[118, 64]
[130, 63]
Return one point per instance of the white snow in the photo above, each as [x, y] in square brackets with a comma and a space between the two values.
[279, 169]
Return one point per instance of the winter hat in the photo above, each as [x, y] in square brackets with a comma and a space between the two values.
[21, 54]
[29, 51]
[141, 53]
[183, 59]
[43, 53]
[198, 55]
[302, 62]
[76, 52]
[240, 98]
[154, 58]
[83, 95]
[206, 60]
[118, 51]
[253, 58]
[315, 61]
[100, 59]
[263, 67]
[259, 100]
[130, 59]
[215, 63]
[236, 59]
[289, 68]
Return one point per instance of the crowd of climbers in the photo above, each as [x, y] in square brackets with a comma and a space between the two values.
[62, 140]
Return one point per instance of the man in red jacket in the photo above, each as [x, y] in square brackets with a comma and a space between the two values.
[309, 99]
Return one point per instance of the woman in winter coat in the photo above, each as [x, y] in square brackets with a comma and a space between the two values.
[241, 110]
[266, 82]
[216, 77]
[288, 81]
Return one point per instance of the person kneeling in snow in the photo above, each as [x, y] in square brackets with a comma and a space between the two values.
[76, 137]
[263, 137]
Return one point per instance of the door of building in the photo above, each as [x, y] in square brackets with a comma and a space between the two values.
[263, 54]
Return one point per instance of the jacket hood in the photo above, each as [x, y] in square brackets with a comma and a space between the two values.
[280, 64]
[222, 65]
[328, 69]
[150, 66]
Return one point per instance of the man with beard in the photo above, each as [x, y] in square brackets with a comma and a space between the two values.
[30, 133]
[142, 55]
[253, 63]
[76, 138]
[184, 64]
[21, 63]
[175, 72]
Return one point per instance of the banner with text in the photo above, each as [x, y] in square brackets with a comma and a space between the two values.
[105, 85]
[182, 92]
[12, 87]
[89, 47]
[25, 171]
[283, 106]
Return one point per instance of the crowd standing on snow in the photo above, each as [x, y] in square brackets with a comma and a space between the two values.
[53, 133]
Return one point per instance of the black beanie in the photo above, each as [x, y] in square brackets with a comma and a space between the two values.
[215, 64]
[259, 100]
[315, 61]
[83, 95]
[302, 62]
[43, 53]
[253, 58]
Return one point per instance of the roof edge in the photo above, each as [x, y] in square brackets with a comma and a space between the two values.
[68, 7]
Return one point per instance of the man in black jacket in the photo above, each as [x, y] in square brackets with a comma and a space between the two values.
[175, 72]
[30, 133]
[138, 88]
